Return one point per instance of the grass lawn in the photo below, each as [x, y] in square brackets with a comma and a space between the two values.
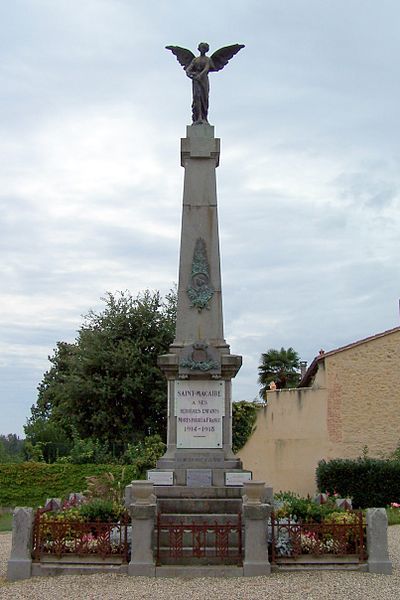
[393, 515]
[6, 522]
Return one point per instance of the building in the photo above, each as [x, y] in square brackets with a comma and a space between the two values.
[347, 402]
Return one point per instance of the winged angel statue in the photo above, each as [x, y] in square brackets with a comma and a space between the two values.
[198, 68]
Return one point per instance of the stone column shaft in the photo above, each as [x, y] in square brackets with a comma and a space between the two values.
[200, 157]
[199, 354]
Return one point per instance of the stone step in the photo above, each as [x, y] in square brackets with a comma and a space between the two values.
[183, 491]
[199, 505]
[199, 518]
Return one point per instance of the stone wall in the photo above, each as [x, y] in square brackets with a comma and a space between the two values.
[354, 402]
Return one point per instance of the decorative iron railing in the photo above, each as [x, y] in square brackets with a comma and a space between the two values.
[202, 540]
[58, 537]
[290, 538]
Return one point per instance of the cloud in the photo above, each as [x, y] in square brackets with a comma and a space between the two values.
[90, 187]
[375, 185]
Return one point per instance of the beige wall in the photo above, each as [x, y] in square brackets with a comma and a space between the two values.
[354, 402]
[289, 440]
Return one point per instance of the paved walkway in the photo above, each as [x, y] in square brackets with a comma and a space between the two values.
[338, 585]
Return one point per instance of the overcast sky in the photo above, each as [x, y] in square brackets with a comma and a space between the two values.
[92, 109]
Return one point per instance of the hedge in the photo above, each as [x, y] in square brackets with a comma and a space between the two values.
[30, 483]
[368, 481]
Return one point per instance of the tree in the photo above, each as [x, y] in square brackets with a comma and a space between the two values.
[244, 417]
[107, 386]
[45, 440]
[11, 448]
[281, 366]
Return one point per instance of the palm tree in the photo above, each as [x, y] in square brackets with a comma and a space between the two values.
[281, 366]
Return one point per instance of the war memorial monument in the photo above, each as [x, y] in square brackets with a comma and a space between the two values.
[198, 501]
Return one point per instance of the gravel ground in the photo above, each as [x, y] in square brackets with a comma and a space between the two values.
[320, 585]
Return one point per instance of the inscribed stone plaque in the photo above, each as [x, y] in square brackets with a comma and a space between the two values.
[161, 477]
[237, 478]
[199, 408]
[198, 477]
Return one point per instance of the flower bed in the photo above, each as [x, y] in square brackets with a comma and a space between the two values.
[72, 530]
[57, 537]
[315, 527]
[341, 534]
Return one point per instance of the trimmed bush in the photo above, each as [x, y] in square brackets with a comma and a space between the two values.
[29, 483]
[368, 481]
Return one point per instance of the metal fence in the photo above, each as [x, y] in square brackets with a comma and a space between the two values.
[59, 537]
[220, 542]
[291, 539]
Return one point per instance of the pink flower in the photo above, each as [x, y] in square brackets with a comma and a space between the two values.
[88, 538]
[395, 505]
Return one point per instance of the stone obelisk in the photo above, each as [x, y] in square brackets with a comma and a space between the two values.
[199, 366]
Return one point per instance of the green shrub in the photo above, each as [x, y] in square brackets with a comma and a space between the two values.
[368, 481]
[340, 516]
[393, 515]
[101, 510]
[304, 509]
[106, 487]
[145, 453]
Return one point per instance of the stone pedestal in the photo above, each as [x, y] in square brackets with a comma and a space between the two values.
[20, 562]
[377, 542]
[256, 514]
[143, 514]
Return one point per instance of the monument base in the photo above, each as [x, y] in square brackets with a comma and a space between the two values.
[205, 528]
[197, 468]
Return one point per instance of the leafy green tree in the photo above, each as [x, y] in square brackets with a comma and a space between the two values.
[106, 386]
[11, 448]
[45, 440]
[87, 451]
[244, 416]
[281, 366]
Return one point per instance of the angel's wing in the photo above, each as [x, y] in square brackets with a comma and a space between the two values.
[183, 56]
[221, 57]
